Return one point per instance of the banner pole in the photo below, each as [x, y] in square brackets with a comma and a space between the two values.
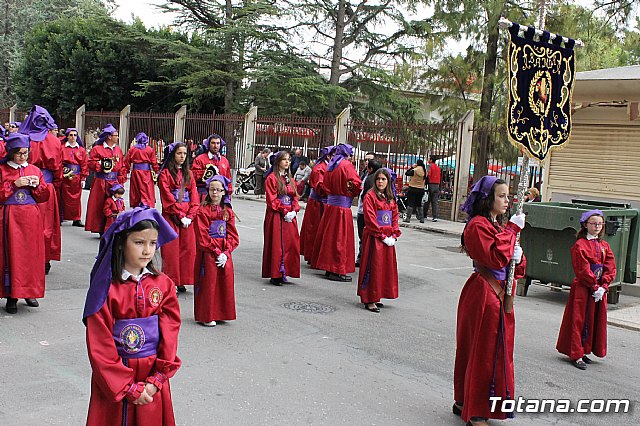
[523, 185]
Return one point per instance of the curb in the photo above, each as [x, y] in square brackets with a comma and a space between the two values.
[421, 227]
[633, 326]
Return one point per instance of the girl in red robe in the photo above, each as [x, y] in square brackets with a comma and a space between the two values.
[335, 237]
[114, 205]
[22, 187]
[75, 171]
[180, 204]
[485, 329]
[584, 324]
[132, 316]
[313, 212]
[142, 190]
[106, 161]
[281, 250]
[216, 237]
[378, 277]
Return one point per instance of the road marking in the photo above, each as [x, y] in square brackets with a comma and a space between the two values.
[440, 269]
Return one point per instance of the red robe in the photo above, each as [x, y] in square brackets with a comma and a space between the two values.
[112, 208]
[22, 248]
[3, 150]
[71, 188]
[95, 220]
[47, 155]
[280, 234]
[478, 323]
[199, 166]
[178, 256]
[313, 212]
[335, 237]
[214, 296]
[378, 262]
[576, 319]
[113, 383]
[141, 186]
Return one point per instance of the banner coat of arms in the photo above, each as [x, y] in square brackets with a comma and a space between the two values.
[540, 78]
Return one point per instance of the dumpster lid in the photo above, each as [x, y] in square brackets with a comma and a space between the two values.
[601, 203]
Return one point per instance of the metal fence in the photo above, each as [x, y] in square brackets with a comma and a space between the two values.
[95, 121]
[157, 126]
[199, 126]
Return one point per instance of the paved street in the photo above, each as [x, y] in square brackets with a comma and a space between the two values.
[277, 365]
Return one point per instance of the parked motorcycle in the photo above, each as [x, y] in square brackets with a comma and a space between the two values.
[246, 179]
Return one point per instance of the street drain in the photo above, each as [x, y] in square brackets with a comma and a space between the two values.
[309, 307]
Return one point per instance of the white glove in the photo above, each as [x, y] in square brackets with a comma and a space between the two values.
[597, 295]
[518, 220]
[185, 222]
[517, 253]
[221, 260]
[390, 241]
[289, 216]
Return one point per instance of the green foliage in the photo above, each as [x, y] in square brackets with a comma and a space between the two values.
[98, 62]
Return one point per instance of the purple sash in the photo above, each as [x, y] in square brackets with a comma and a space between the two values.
[340, 201]
[107, 176]
[75, 168]
[185, 195]
[314, 195]
[498, 274]
[20, 196]
[141, 166]
[48, 175]
[597, 269]
[136, 337]
[384, 217]
[285, 199]
[218, 229]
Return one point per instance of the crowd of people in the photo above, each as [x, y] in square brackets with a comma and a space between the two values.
[132, 314]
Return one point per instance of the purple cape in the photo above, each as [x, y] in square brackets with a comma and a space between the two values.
[341, 152]
[37, 124]
[101, 276]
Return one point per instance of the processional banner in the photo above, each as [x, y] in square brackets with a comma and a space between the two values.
[541, 76]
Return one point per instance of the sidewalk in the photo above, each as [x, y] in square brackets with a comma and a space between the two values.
[624, 315]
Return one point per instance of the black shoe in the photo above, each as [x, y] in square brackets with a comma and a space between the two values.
[32, 302]
[47, 268]
[357, 263]
[380, 305]
[12, 306]
[587, 360]
[181, 289]
[456, 409]
[373, 309]
[578, 363]
[78, 224]
[276, 281]
[339, 277]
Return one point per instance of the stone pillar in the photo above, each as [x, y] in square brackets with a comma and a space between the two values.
[179, 125]
[463, 163]
[123, 131]
[80, 120]
[249, 136]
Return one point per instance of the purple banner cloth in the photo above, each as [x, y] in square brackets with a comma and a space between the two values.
[136, 337]
[218, 229]
[384, 217]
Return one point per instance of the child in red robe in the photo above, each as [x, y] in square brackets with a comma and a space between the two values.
[142, 190]
[114, 205]
[132, 319]
[378, 277]
[584, 323]
[75, 171]
[485, 329]
[22, 187]
[281, 249]
[180, 203]
[216, 237]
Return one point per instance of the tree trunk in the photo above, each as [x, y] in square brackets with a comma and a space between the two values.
[486, 101]
[229, 86]
[336, 58]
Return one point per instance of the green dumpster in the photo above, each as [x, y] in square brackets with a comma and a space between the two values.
[550, 233]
